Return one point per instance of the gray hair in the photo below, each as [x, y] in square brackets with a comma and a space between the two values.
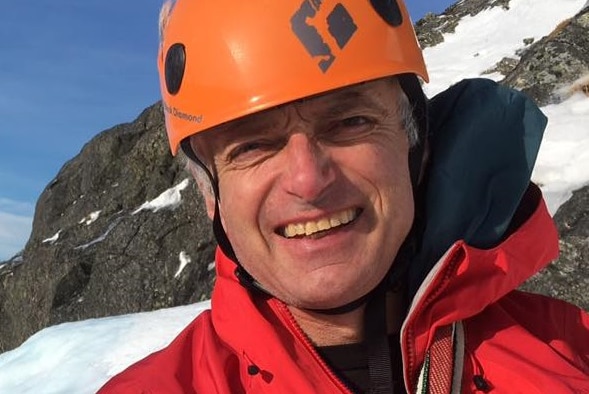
[408, 121]
[164, 17]
[201, 178]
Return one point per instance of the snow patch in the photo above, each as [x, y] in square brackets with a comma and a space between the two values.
[170, 199]
[102, 237]
[581, 85]
[53, 239]
[184, 261]
[91, 218]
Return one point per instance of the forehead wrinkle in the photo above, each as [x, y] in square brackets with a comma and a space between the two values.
[341, 103]
[258, 123]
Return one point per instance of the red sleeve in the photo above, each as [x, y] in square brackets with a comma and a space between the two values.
[564, 326]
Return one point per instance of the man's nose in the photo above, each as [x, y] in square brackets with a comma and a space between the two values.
[309, 169]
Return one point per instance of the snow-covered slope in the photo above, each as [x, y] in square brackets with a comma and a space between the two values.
[479, 42]
[80, 357]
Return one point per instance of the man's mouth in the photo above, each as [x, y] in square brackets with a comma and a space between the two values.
[316, 226]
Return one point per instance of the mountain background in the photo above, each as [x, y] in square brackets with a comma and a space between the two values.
[103, 243]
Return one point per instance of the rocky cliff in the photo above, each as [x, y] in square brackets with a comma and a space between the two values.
[98, 249]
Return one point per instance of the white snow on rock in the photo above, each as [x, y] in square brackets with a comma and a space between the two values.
[102, 237]
[91, 218]
[480, 41]
[53, 239]
[169, 199]
[184, 261]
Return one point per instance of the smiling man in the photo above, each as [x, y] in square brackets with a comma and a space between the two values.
[364, 246]
[316, 194]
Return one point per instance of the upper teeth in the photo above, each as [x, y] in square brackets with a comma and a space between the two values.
[308, 228]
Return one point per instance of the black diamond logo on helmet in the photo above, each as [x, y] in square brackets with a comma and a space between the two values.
[340, 24]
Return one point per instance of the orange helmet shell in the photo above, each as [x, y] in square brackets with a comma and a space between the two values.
[220, 60]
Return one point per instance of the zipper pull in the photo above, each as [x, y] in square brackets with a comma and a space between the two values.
[253, 370]
[481, 384]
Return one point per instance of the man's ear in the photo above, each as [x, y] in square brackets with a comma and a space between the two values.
[204, 186]
[206, 191]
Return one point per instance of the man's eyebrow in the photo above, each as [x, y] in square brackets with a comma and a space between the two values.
[345, 101]
[239, 127]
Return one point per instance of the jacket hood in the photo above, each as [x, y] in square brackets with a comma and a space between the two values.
[484, 143]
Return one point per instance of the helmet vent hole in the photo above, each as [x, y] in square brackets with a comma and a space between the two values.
[389, 11]
[174, 67]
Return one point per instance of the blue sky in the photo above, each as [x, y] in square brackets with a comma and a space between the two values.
[68, 70]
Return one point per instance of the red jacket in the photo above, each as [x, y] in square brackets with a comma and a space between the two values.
[506, 340]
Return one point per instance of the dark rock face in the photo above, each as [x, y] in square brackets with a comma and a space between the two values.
[504, 66]
[114, 261]
[554, 61]
[568, 277]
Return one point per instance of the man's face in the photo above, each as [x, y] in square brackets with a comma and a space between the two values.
[315, 196]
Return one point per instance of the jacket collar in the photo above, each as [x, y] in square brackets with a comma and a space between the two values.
[467, 279]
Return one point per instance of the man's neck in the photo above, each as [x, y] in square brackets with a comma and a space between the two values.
[345, 328]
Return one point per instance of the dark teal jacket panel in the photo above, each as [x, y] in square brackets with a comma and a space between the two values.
[484, 141]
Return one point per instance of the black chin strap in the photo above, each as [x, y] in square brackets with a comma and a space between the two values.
[380, 367]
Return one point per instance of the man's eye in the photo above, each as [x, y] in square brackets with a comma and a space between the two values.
[247, 147]
[355, 121]
[251, 151]
[354, 124]
[348, 130]
[244, 148]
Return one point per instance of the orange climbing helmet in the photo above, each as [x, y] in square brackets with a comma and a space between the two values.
[220, 60]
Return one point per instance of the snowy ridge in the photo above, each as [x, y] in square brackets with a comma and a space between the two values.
[169, 199]
[481, 41]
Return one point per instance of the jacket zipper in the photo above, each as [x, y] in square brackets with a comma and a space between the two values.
[298, 332]
[478, 374]
[453, 259]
